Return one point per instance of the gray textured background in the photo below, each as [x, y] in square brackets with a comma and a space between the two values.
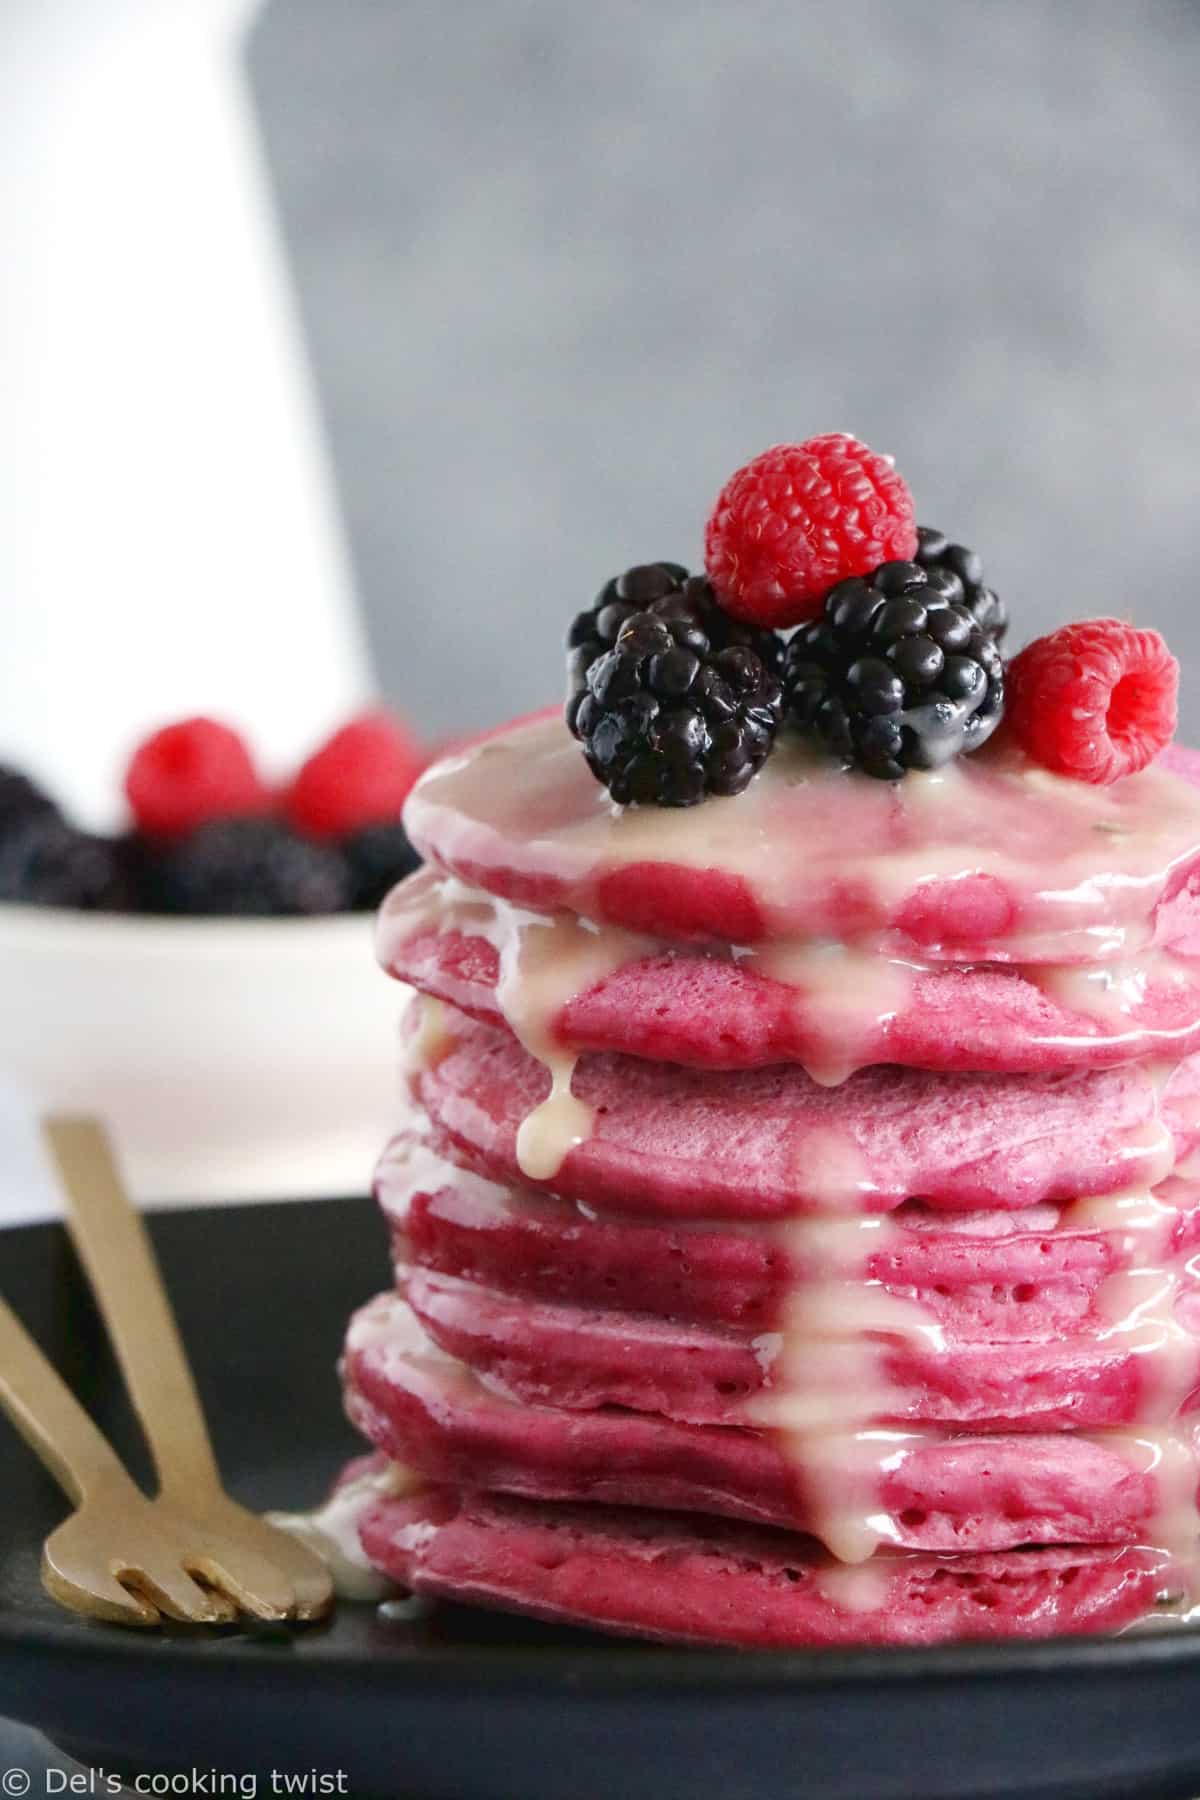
[563, 266]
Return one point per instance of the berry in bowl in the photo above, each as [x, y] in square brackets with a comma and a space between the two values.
[204, 978]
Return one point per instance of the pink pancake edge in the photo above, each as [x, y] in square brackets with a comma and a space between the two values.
[989, 1275]
[943, 1492]
[581, 1358]
[662, 1008]
[711, 1581]
[975, 916]
[767, 1143]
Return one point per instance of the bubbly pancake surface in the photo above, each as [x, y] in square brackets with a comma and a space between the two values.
[771, 1142]
[659, 1576]
[825, 1006]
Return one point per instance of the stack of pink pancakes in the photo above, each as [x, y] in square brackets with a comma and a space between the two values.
[793, 1233]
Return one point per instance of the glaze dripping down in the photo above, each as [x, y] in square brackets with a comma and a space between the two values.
[989, 858]
[871, 1359]
[331, 1529]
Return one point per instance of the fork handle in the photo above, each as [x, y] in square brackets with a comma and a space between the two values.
[49, 1418]
[115, 1250]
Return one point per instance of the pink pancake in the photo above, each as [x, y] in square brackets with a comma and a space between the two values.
[764, 1143]
[989, 861]
[581, 1358]
[661, 1575]
[991, 1276]
[936, 1492]
[663, 1007]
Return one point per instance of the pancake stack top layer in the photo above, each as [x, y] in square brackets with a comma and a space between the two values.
[929, 1326]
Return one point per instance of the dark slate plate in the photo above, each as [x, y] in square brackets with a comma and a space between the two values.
[469, 1706]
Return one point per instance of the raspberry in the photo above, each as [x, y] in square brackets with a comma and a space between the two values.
[360, 777]
[799, 518]
[1095, 700]
[191, 772]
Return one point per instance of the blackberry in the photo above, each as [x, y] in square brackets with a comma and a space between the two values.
[377, 857]
[958, 573]
[138, 860]
[46, 862]
[894, 674]
[248, 866]
[670, 697]
[21, 799]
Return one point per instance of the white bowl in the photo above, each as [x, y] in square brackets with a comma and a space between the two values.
[233, 1059]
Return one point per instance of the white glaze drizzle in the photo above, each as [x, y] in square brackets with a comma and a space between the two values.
[843, 996]
[829, 1363]
[331, 1529]
[861, 1587]
[831, 1169]
[544, 963]
[431, 1039]
[829, 1377]
[1111, 994]
[1082, 863]
[841, 1460]
[830, 1383]
[1137, 1304]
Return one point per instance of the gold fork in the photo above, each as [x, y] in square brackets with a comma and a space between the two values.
[192, 1528]
[117, 1557]
[264, 1570]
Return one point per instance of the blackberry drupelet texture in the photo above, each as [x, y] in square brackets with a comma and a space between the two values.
[958, 573]
[670, 697]
[896, 674]
[249, 866]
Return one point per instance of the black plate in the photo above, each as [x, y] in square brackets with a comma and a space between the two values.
[470, 1706]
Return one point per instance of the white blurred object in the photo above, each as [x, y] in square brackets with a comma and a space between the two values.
[240, 1059]
[168, 539]
[27, 1187]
